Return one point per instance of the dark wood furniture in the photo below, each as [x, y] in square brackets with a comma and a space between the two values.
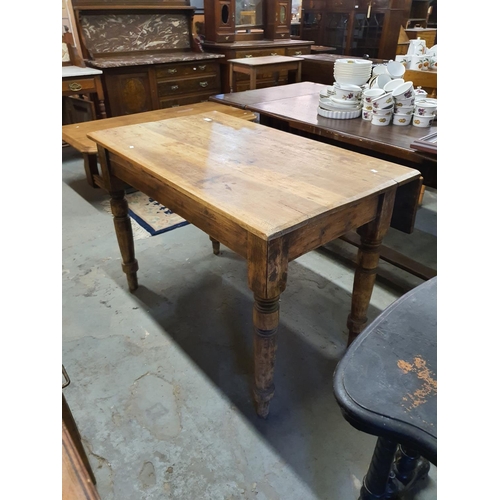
[255, 66]
[355, 27]
[260, 174]
[76, 135]
[386, 385]
[78, 481]
[293, 108]
[146, 53]
[419, 14]
[77, 81]
[319, 67]
[256, 48]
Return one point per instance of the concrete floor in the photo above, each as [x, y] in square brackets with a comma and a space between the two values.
[160, 379]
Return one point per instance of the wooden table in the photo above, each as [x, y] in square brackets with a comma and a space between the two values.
[254, 66]
[76, 134]
[293, 108]
[77, 80]
[243, 185]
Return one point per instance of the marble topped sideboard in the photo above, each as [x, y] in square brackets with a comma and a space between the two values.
[147, 57]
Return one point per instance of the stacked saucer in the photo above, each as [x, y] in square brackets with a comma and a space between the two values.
[352, 71]
[340, 101]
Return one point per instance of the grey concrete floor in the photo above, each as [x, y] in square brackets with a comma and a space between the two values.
[160, 379]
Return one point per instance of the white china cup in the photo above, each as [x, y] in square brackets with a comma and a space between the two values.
[404, 91]
[425, 109]
[381, 121]
[422, 121]
[389, 87]
[404, 110]
[395, 69]
[370, 94]
[401, 120]
[384, 101]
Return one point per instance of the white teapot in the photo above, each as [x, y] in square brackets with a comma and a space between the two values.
[416, 47]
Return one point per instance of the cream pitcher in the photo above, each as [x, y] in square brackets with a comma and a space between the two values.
[417, 47]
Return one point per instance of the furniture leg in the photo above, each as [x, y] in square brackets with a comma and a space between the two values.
[123, 228]
[69, 421]
[375, 482]
[265, 321]
[371, 235]
[90, 165]
[230, 77]
[410, 467]
[253, 79]
[215, 246]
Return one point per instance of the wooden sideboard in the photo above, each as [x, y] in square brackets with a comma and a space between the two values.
[256, 48]
[158, 67]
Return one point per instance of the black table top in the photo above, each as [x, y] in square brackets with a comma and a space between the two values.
[386, 384]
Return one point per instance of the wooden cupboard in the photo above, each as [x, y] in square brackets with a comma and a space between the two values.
[356, 28]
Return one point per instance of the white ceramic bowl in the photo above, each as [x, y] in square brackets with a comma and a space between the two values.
[346, 92]
[352, 80]
[383, 112]
[379, 69]
[401, 120]
[384, 101]
[404, 91]
[404, 110]
[422, 121]
[370, 94]
[381, 81]
[355, 62]
[381, 121]
[395, 69]
[402, 103]
[423, 108]
[340, 103]
[390, 86]
[366, 114]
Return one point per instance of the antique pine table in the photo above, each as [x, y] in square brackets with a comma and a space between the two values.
[75, 134]
[242, 184]
[254, 66]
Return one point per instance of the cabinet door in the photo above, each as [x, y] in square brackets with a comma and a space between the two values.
[335, 31]
[278, 19]
[220, 24]
[128, 91]
[310, 25]
[367, 33]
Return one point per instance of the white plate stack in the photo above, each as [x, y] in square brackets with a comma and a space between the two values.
[352, 71]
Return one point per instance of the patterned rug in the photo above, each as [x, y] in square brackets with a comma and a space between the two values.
[148, 217]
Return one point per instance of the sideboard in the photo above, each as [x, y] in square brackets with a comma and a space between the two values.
[147, 54]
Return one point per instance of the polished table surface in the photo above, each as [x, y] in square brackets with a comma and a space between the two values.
[76, 134]
[242, 184]
[296, 106]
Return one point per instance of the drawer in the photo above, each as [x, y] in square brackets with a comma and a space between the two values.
[277, 51]
[298, 51]
[169, 102]
[192, 69]
[179, 87]
[78, 85]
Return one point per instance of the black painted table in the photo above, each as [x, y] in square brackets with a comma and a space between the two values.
[386, 385]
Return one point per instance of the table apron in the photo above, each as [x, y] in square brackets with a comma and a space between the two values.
[214, 224]
[331, 226]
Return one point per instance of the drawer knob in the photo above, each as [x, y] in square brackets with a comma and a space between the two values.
[203, 67]
[174, 87]
[203, 84]
[274, 53]
[171, 71]
[75, 86]
[298, 52]
[248, 55]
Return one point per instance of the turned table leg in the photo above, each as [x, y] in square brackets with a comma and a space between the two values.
[123, 228]
[265, 322]
[368, 257]
[377, 478]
